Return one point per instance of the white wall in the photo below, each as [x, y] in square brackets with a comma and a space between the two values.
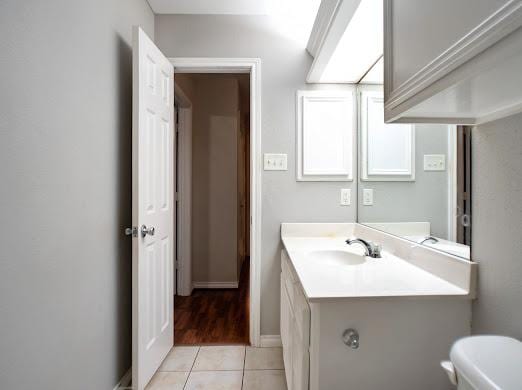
[214, 178]
[497, 226]
[285, 64]
[65, 158]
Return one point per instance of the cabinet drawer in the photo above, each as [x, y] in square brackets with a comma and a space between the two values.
[286, 267]
[288, 279]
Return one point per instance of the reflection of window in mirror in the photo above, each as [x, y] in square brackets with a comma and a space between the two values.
[387, 150]
[414, 179]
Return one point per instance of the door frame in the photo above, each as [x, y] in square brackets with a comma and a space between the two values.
[253, 67]
[183, 257]
[451, 166]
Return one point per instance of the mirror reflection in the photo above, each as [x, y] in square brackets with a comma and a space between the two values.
[414, 179]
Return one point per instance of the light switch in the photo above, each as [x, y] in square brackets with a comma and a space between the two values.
[346, 196]
[368, 197]
[275, 162]
[434, 162]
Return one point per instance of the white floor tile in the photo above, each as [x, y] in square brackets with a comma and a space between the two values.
[216, 358]
[168, 381]
[264, 380]
[215, 380]
[264, 358]
[180, 359]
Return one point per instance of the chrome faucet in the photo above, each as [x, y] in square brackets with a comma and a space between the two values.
[431, 239]
[370, 249]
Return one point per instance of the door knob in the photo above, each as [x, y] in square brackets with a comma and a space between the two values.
[145, 230]
[351, 338]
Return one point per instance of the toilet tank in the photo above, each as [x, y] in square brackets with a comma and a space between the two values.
[487, 363]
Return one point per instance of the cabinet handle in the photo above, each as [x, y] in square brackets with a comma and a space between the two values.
[351, 338]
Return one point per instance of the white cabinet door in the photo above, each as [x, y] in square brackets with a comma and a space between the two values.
[300, 361]
[300, 340]
[455, 62]
[295, 329]
[152, 209]
[286, 333]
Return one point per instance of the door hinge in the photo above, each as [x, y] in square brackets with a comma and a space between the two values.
[131, 231]
[176, 196]
[176, 264]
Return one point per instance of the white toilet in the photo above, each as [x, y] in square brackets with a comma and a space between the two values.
[485, 363]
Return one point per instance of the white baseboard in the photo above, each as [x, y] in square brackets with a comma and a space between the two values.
[215, 285]
[125, 381]
[270, 340]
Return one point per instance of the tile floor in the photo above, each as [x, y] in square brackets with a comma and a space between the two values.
[221, 368]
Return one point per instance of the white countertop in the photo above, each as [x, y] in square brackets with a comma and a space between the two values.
[388, 276]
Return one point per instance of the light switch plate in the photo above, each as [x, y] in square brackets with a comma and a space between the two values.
[368, 197]
[434, 162]
[346, 197]
[275, 162]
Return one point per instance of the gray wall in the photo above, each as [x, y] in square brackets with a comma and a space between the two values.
[422, 200]
[283, 71]
[497, 226]
[65, 158]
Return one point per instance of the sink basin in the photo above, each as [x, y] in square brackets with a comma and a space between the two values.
[336, 257]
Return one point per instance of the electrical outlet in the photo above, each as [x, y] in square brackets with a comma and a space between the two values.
[346, 197]
[434, 162]
[275, 162]
[368, 197]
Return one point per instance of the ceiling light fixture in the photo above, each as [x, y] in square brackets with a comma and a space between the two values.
[360, 46]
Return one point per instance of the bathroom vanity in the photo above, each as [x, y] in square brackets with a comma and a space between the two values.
[350, 321]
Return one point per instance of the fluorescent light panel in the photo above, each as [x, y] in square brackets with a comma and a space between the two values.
[360, 46]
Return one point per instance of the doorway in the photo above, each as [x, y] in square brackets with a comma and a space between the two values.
[220, 303]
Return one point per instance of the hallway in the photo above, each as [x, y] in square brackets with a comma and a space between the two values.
[214, 316]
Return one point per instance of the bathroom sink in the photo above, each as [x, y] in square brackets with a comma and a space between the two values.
[336, 257]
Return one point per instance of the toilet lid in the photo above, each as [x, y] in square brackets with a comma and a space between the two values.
[489, 362]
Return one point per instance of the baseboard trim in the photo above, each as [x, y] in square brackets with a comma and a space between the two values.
[125, 381]
[271, 340]
[215, 284]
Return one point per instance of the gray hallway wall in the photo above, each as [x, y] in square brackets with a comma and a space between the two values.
[65, 173]
[283, 71]
[215, 108]
[497, 226]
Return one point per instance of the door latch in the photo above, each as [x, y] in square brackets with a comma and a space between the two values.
[131, 231]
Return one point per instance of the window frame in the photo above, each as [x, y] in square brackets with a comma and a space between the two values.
[303, 96]
[365, 94]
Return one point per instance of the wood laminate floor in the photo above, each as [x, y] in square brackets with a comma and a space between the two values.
[214, 316]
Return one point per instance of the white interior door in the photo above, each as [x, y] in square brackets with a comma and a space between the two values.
[152, 209]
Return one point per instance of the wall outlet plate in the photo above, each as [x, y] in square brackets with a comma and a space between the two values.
[367, 197]
[434, 162]
[346, 197]
[275, 162]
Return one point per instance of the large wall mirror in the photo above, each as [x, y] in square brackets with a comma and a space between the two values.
[414, 180]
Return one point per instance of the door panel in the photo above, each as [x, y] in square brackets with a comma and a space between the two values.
[152, 199]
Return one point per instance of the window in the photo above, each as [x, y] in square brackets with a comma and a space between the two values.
[326, 123]
[387, 150]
